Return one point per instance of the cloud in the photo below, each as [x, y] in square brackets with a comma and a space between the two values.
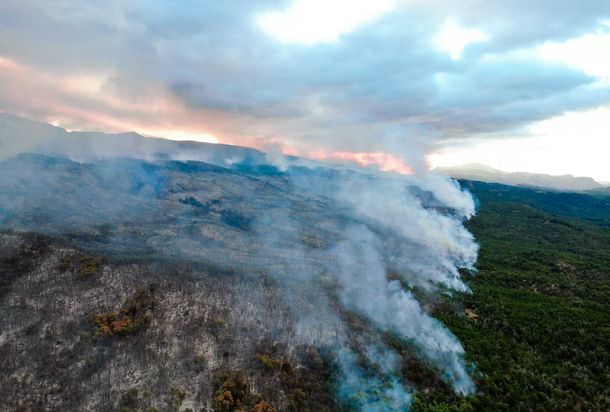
[376, 82]
[550, 139]
[454, 39]
[313, 21]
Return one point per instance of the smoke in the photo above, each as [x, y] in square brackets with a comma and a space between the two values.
[412, 226]
[337, 243]
[366, 290]
[370, 393]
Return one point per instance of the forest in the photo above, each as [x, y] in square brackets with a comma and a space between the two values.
[537, 324]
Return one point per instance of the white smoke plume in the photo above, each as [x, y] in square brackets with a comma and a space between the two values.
[370, 393]
[366, 290]
[335, 241]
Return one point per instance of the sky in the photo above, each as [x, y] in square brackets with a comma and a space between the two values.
[402, 85]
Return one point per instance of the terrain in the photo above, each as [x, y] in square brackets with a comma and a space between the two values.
[170, 285]
[86, 326]
[133, 279]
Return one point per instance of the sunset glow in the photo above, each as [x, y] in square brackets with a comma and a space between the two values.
[383, 161]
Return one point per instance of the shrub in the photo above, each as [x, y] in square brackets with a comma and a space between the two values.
[268, 361]
[274, 364]
[85, 266]
[129, 400]
[65, 263]
[263, 406]
[232, 392]
[177, 396]
[89, 266]
[134, 315]
[200, 363]
[219, 323]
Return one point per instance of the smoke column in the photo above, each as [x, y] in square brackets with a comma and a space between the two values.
[335, 241]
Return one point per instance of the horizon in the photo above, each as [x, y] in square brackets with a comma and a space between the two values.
[443, 169]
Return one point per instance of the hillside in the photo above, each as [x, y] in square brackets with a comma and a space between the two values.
[152, 289]
[130, 285]
[536, 324]
[488, 174]
[21, 135]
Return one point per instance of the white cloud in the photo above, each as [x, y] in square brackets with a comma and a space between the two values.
[589, 53]
[576, 143]
[453, 38]
[313, 21]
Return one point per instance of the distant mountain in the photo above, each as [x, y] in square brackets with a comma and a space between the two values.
[20, 135]
[483, 173]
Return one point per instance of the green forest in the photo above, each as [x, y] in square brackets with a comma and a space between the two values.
[536, 327]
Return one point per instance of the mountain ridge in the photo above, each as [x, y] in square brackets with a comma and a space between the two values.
[483, 173]
[20, 134]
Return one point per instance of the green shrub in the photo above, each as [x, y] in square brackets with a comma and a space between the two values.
[89, 266]
[200, 363]
[177, 396]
